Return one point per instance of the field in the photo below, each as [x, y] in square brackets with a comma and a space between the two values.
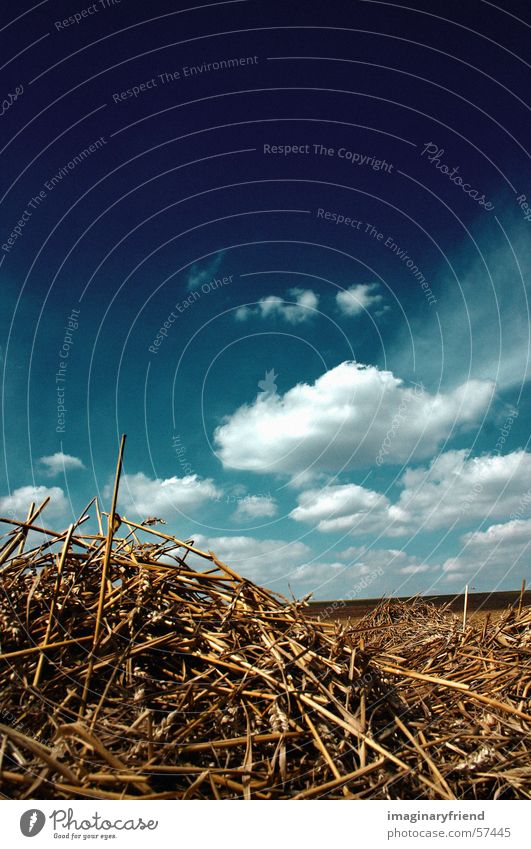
[125, 673]
[480, 605]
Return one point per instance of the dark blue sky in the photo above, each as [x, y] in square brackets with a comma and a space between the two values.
[285, 248]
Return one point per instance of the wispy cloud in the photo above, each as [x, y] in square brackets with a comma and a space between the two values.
[357, 299]
[265, 560]
[483, 317]
[298, 306]
[201, 273]
[360, 572]
[356, 572]
[256, 507]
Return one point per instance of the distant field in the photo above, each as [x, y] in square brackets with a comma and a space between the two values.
[479, 604]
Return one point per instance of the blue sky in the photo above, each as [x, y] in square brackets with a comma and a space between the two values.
[319, 354]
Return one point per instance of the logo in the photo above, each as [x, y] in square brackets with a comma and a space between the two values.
[268, 386]
[32, 822]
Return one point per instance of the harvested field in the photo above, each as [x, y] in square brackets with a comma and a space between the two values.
[127, 674]
[480, 605]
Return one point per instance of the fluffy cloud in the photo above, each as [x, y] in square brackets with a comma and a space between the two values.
[256, 507]
[458, 488]
[54, 464]
[17, 504]
[502, 551]
[351, 415]
[357, 299]
[147, 496]
[453, 489]
[344, 507]
[299, 306]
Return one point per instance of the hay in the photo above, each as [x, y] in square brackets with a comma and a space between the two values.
[127, 673]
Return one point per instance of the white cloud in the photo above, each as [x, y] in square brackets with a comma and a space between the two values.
[344, 507]
[391, 561]
[17, 504]
[343, 420]
[457, 488]
[155, 496]
[260, 560]
[54, 464]
[256, 507]
[453, 489]
[347, 574]
[298, 306]
[367, 572]
[309, 477]
[501, 552]
[357, 299]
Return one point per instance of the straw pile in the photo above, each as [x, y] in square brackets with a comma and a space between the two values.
[126, 673]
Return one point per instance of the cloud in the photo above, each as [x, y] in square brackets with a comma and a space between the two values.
[501, 551]
[351, 415]
[360, 572]
[456, 487]
[54, 464]
[349, 574]
[483, 317]
[17, 504]
[357, 299]
[260, 560]
[496, 555]
[147, 496]
[453, 489]
[256, 507]
[199, 274]
[344, 507]
[391, 561]
[299, 306]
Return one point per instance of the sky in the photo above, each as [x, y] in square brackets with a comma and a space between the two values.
[285, 249]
